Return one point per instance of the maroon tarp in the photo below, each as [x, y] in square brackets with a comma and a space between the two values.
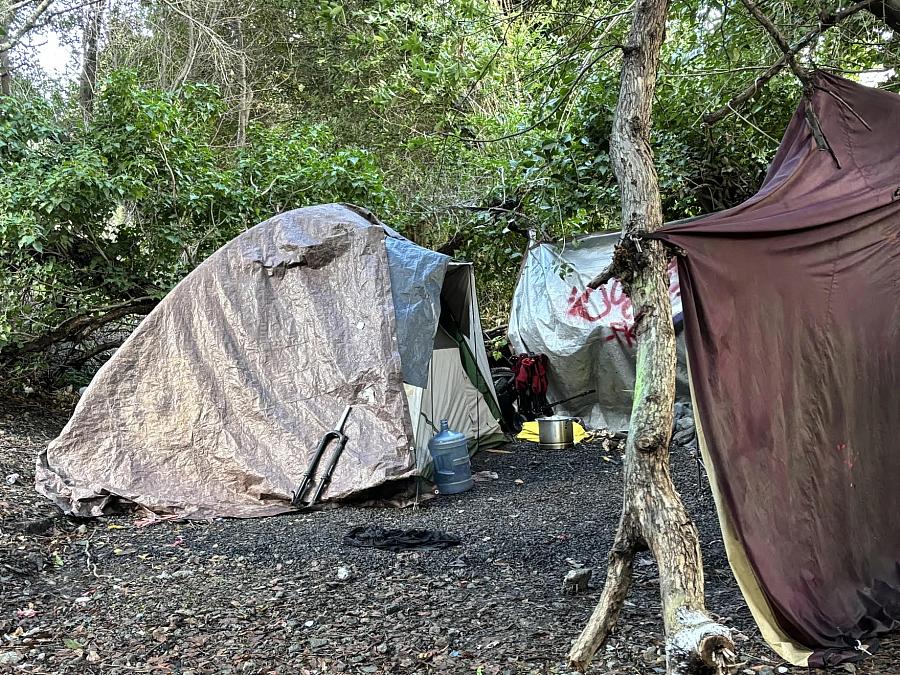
[793, 330]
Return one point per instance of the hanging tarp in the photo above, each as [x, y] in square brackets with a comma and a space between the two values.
[793, 334]
[587, 335]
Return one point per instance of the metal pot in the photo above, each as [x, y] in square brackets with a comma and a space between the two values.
[556, 432]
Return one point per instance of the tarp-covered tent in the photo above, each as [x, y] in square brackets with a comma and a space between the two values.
[587, 335]
[216, 402]
[792, 325]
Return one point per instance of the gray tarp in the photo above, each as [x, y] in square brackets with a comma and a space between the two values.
[588, 336]
[417, 275]
[214, 404]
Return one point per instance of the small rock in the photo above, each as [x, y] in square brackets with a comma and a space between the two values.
[9, 658]
[576, 581]
[38, 525]
[782, 669]
[343, 573]
[93, 657]
[315, 643]
[484, 476]
[12, 478]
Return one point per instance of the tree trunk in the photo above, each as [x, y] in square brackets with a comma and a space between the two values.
[87, 81]
[889, 12]
[5, 73]
[246, 93]
[653, 515]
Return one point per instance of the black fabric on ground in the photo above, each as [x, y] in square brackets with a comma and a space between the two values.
[374, 536]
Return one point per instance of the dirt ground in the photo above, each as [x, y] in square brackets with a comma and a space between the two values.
[285, 595]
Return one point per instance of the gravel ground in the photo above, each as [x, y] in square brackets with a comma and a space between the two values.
[284, 595]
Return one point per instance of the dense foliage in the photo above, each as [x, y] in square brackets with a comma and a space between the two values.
[123, 208]
[464, 123]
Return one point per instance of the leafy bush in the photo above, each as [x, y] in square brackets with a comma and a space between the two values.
[121, 209]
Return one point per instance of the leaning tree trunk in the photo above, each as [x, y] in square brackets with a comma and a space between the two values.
[652, 514]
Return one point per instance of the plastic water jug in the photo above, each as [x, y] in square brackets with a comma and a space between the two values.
[450, 454]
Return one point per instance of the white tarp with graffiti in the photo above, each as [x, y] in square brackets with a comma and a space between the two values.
[587, 335]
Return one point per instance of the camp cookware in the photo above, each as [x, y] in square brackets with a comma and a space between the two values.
[336, 434]
[556, 432]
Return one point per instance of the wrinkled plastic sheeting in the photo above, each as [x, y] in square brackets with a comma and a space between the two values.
[417, 275]
[215, 404]
[588, 336]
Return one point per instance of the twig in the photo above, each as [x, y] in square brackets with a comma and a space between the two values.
[562, 99]
[847, 106]
[602, 278]
[826, 22]
[812, 120]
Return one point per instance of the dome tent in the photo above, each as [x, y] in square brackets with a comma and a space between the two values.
[215, 404]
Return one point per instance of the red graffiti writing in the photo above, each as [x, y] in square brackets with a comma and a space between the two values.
[610, 304]
[608, 299]
[623, 333]
[579, 304]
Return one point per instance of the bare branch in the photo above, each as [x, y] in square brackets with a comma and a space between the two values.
[739, 100]
[812, 119]
[603, 277]
[14, 39]
[779, 39]
[78, 325]
[83, 358]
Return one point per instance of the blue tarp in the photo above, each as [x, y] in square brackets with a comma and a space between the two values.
[417, 275]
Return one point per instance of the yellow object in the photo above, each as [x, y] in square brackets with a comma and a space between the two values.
[530, 433]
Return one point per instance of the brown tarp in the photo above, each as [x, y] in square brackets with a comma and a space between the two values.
[793, 330]
[214, 405]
